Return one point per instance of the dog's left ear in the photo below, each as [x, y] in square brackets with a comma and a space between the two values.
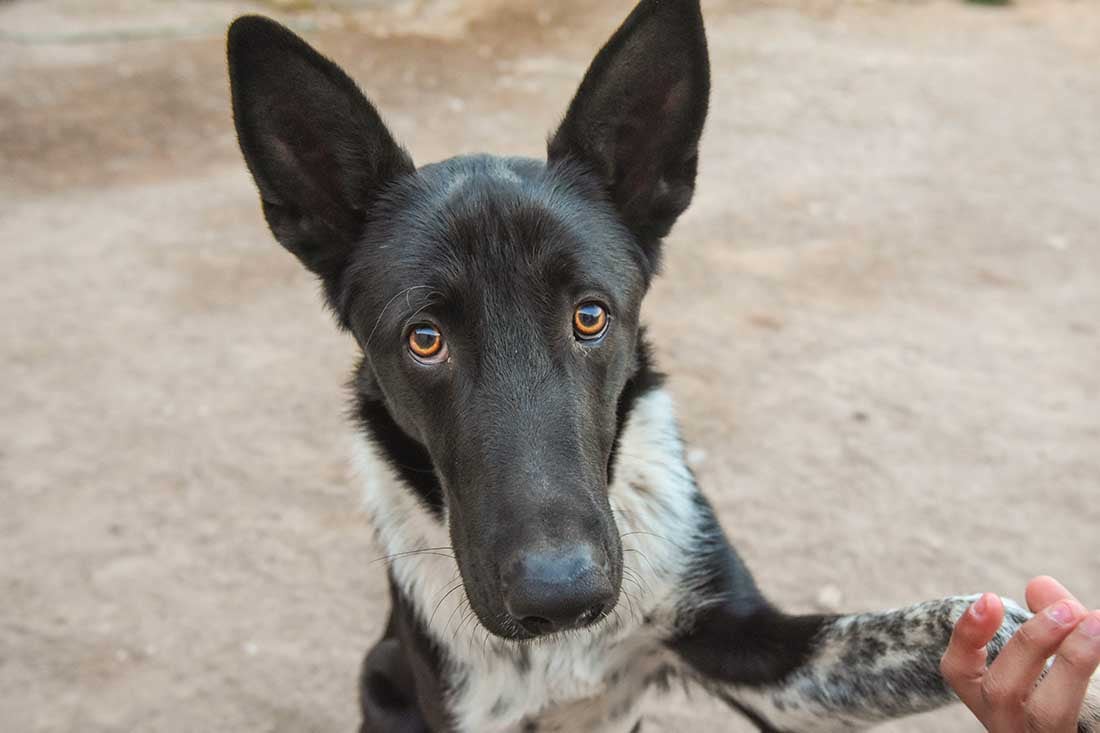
[638, 115]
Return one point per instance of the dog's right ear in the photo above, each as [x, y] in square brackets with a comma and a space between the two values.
[317, 149]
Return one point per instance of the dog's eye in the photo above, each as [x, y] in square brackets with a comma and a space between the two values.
[426, 343]
[589, 321]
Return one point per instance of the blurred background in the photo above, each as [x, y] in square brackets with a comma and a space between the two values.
[881, 319]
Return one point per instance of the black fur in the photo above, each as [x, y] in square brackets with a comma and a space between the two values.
[644, 380]
[769, 644]
[401, 688]
[408, 457]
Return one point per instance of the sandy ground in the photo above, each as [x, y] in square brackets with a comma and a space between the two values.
[896, 238]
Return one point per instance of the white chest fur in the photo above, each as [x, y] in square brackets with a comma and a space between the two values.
[590, 680]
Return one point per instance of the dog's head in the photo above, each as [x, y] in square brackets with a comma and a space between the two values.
[496, 301]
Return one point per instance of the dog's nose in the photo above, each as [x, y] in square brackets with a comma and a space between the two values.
[554, 590]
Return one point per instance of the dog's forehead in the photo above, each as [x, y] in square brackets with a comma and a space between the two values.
[504, 224]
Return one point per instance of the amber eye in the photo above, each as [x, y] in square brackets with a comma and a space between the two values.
[426, 343]
[589, 321]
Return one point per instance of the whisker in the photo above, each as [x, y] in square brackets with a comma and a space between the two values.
[644, 557]
[414, 469]
[440, 551]
[635, 613]
[654, 534]
[462, 624]
[455, 587]
[636, 577]
[629, 603]
[388, 304]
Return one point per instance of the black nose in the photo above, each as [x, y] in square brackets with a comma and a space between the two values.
[558, 589]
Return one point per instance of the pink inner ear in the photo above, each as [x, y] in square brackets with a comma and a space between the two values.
[678, 98]
[647, 147]
[282, 152]
[300, 158]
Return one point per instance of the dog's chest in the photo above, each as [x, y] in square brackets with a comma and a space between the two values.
[579, 686]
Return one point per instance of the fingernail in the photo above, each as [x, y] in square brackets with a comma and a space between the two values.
[979, 607]
[1061, 613]
[1091, 626]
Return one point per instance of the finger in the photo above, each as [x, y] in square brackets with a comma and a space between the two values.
[1012, 677]
[1044, 591]
[963, 664]
[1057, 703]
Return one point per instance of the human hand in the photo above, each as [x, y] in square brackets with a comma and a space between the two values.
[1008, 695]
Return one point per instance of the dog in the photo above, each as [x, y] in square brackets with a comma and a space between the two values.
[550, 557]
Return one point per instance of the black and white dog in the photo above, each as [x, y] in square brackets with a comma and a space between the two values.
[550, 556]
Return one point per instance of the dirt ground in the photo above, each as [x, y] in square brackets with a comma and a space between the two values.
[896, 235]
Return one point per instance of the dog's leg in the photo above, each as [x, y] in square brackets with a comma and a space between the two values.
[387, 689]
[830, 673]
[402, 688]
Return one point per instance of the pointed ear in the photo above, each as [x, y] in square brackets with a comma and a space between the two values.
[638, 115]
[316, 147]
